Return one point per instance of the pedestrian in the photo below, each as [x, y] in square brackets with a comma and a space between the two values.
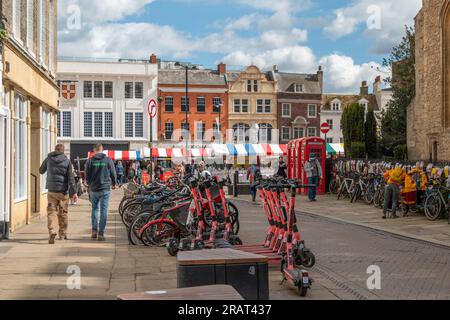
[281, 172]
[159, 171]
[120, 171]
[254, 175]
[61, 186]
[202, 172]
[314, 173]
[100, 177]
[395, 178]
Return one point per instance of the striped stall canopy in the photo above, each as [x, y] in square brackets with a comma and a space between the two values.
[117, 155]
[164, 153]
[275, 149]
[220, 150]
[199, 153]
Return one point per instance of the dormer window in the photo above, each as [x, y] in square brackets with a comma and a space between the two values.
[336, 105]
[298, 87]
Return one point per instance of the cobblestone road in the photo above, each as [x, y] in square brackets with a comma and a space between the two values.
[410, 269]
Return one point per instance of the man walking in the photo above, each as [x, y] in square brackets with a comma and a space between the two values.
[314, 173]
[100, 177]
[281, 172]
[60, 185]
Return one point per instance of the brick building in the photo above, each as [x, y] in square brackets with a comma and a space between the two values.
[299, 104]
[428, 115]
[28, 107]
[207, 103]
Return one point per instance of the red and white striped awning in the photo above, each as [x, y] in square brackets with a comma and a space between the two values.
[275, 149]
[164, 153]
[117, 155]
[199, 153]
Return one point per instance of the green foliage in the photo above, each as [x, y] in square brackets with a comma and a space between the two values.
[352, 125]
[3, 35]
[358, 150]
[401, 152]
[403, 83]
[370, 134]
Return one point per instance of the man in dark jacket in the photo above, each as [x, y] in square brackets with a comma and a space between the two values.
[281, 172]
[100, 177]
[60, 185]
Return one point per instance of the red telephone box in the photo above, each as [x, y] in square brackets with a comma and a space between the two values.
[299, 152]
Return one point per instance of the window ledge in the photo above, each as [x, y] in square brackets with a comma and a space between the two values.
[16, 201]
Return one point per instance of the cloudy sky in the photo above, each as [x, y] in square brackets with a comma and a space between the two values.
[348, 38]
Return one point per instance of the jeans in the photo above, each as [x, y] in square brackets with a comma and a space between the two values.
[99, 198]
[120, 179]
[312, 191]
[392, 193]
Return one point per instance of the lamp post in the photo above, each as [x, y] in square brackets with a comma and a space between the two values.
[187, 111]
[218, 107]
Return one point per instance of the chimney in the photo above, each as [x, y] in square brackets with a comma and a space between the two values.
[275, 68]
[377, 84]
[320, 78]
[222, 68]
[153, 59]
[364, 91]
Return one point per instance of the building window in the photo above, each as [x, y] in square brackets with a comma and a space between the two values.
[20, 147]
[255, 86]
[259, 106]
[330, 140]
[42, 29]
[241, 132]
[88, 124]
[298, 87]
[16, 14]
[216, 131]
[185, 129]
[335, 106]
[46, 142]
[139, 124]
[128, 90]
[169, 104]
[217, 104]
[109, 124]
[139, 90]
[30, 25]
[51, 35]
[108, 89]
[312, 111]
[245, 105]
[185, 108]
[58, 124]
[237, 106]
[249, 85]
[312, 132]
[98, 124]
[286, 110]
[98, 89]
[129, 125]
[268, 106]
[299, 133]
[330, 123]
[67, 124]
[87, 88]
[201, 104]
[265, 133]
[168, 128]
[201, 128]
[286, 133]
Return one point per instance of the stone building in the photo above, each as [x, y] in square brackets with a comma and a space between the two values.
[429, 113]
[299, 104]
[252, 114]
[28, 107]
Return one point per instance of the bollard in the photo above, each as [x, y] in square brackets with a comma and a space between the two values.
[235, 184]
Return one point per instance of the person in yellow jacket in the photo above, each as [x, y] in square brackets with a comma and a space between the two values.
[395, 179]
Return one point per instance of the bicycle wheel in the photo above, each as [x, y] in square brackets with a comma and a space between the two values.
[369, 195]
[129, 212]
[139, 221]
[433, 207]
[159, 234]
[333, 187]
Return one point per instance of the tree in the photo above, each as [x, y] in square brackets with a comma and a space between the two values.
[352, 125]
[370, 134]
[403, 83]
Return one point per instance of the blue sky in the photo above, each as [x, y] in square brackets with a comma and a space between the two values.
[348, 38]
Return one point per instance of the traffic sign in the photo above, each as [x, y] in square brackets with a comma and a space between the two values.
[152, 108]
[325, 128]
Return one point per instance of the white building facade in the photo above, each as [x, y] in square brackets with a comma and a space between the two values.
[106, 102]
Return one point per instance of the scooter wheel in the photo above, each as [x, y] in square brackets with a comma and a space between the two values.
[199, 245]
[309, 259]
[302, 290]
[236, 241]
[172, 247]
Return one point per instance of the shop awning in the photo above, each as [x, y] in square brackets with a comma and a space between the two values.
[335, 148]
[219, 150]
[164, 152]
[275, 149]
[117, 155]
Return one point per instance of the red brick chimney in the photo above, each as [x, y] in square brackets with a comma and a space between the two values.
[364, 91]
[320, 77]
[222, 68]
[153, 59]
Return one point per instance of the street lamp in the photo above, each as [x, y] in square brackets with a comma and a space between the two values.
[218, 107]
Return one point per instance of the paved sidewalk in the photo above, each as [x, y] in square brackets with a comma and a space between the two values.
[413, 226]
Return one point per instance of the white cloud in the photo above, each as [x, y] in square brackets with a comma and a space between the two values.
[382, 20]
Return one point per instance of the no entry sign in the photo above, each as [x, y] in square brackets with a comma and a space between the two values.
[152, 108]
[325, 128]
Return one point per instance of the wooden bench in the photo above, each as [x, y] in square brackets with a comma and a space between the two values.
[215, 292]
[247, 272]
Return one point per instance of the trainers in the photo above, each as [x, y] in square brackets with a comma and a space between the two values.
[384, 217]
[101, 237]
[62, 237]
[94, 235]
[51, 239]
